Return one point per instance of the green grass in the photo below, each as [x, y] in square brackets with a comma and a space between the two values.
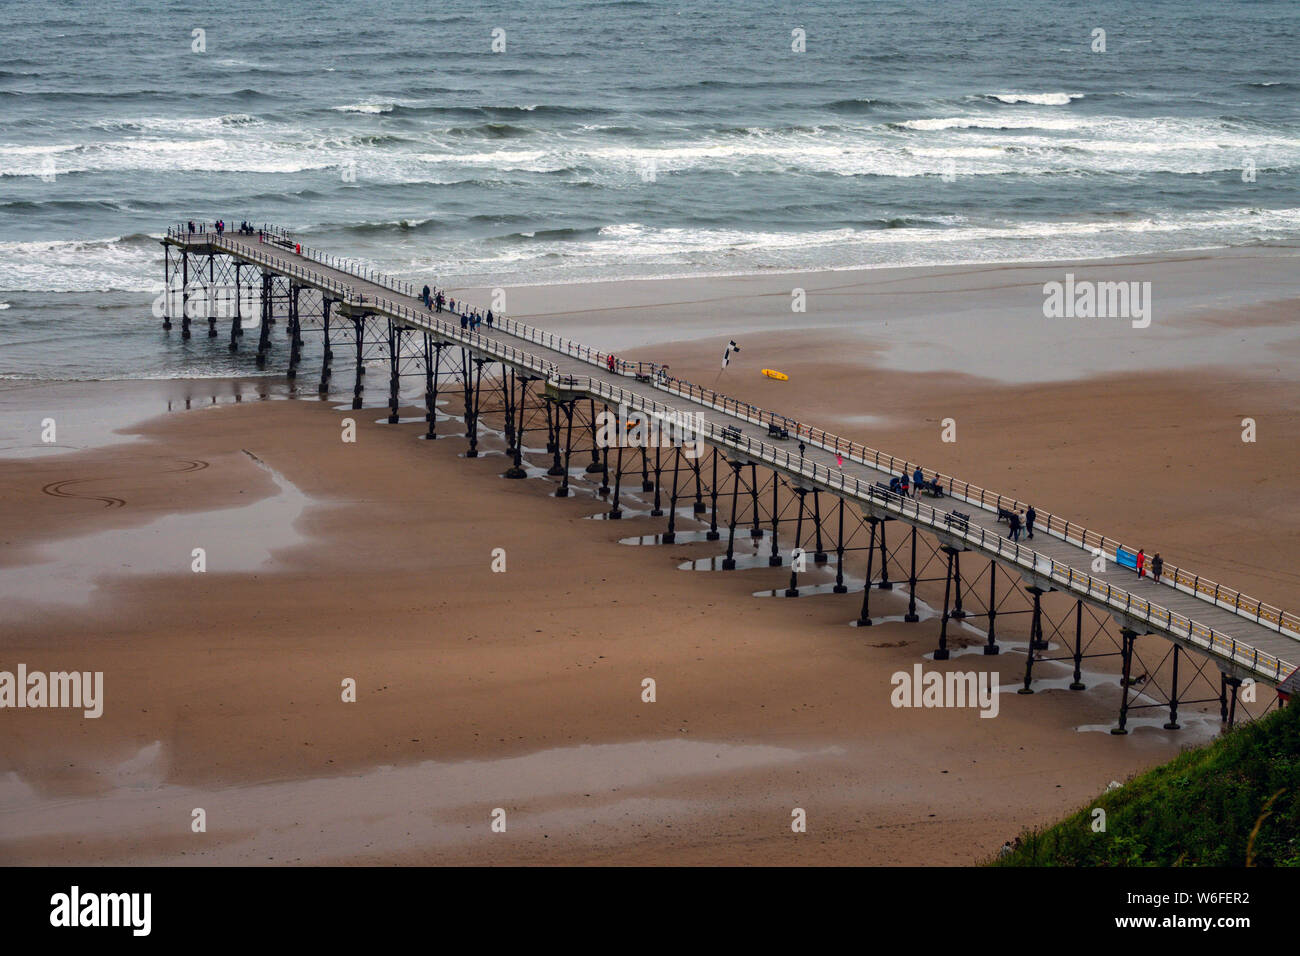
[1233, 802]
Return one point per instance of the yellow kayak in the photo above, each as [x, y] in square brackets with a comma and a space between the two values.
[773, 373]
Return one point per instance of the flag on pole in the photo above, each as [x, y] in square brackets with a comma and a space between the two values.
[726, 356]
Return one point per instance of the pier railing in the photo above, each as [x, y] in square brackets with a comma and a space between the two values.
[1012, 552]
[1182, 579]
[1284, 622]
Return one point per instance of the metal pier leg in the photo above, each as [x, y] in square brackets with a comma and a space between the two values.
[1077, 683]
[185, 294]
[819, 555]
[167, 287]
[359, 326]
[699, 506]
[477, 375]
[670, 536]
[595, 464]
[774, 559]
[553, 437]
[1234, 684]
[712, 533]
[604, 464]
[431, 369]
[729, 562]
[394, 359]
[941, 653]
[616, 512]
[957, 610]
[563, 490]
[793, 589]
[658, 510]
[295, 331]
[885, 584]
[755, 531]
[212, 299]
[864, 619]
[520, 407]
[991, 647]
[1127, 637]
[839, 587]
[237, 323]
[508, 401]
[645, 464]
[514, 436]
[911, 617]
[1036, 641]
[1173, 696]
[264, 334]
[326, 354]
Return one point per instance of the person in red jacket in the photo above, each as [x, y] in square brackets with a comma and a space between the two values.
[1142, 563]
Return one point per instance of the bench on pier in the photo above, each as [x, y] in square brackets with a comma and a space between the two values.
[955, 519]
[776, 431]
[931, 488]
[643, 377]
[732, 432]
[884, 487]
[1004, 515]
[279, 241]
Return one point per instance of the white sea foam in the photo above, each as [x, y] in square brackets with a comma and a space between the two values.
[1037, 99]
[383, 106]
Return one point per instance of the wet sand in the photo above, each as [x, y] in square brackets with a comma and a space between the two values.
[522, 690]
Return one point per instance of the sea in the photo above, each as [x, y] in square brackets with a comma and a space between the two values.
[550, 141]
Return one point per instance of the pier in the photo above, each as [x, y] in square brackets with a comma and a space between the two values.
[811, 497]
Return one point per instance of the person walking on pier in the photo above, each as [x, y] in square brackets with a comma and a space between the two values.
[489, 318]
[903, 486]
[424, 295]
[918, 478]
[1030, 516]
[464, 322]
[440, 299]
[1141, 563]
[1157, 565]
[1014, 521]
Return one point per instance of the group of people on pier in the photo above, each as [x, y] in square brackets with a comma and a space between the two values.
[1021, 520]
[219, 227]
[435, 300]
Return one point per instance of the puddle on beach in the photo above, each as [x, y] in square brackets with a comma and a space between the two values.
[393, 809]
[92, 414]
[236, 539]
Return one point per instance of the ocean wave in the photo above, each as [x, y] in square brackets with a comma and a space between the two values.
[385, 106]
[628, 249]
[856, 106]
[1036, 99]
[491, 131]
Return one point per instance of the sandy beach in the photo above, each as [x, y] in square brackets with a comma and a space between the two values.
[522, 690]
